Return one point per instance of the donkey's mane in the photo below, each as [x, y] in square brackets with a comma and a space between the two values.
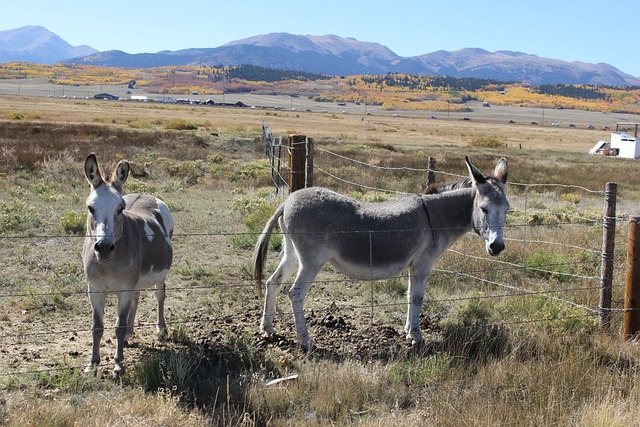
[449, 186]
[455, 185]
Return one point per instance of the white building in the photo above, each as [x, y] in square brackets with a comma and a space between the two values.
[625, 145]
[620, 144]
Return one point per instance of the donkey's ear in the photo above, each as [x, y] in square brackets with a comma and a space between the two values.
[474, 173]
[121, 173]
[92, 171]
[501, 171]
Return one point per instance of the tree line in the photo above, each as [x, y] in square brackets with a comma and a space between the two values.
[259, 74]
[572, 91]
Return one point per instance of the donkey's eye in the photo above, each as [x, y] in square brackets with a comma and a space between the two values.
[91, 210]
[120, 209]
[484, 210]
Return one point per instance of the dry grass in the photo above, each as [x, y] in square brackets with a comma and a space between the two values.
[492, 361]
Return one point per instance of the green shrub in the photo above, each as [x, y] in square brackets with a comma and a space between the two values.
[74, 222]
[419, 372]
[548, 265]
[475, 341]
[17, 216]
[487, 141]
[181, 124]
[15, 116]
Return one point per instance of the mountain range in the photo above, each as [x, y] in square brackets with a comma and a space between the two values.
[328, 54]
[39, 45]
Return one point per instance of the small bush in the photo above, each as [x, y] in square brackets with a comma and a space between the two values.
[255, 213]
[487, 141]
[548, 265]
[15, 116]
[73, 222]
[17, 216]
[475, 341]
[181, 124]
[419, 372]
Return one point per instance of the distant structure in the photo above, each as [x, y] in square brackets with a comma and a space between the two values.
[106, 96]
[621, 144]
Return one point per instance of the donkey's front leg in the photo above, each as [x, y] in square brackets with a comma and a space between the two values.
[98, 300]
[124, 306]
[161, 325]
[132, 315]
[415, 298]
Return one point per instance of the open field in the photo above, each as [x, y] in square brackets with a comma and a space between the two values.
[404, 127]
[492, 358]
[493, 114]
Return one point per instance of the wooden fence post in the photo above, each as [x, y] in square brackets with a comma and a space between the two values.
[631, 324]
[297, 162]
[431, 174]
[608, 245]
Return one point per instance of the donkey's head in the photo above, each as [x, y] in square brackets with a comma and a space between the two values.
[105, 205]
[490, 205]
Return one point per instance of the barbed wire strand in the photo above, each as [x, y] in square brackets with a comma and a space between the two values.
[568, 186]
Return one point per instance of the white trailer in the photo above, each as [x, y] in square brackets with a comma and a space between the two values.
[621, 144]
[624, 145]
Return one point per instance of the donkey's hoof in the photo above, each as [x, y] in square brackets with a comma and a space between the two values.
[308, 346]
[118, 370]
[267, 331]
[92, 368]
[415, 340]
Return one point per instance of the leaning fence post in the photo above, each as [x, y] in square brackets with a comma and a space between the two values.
[431, 171]
[308, 182]
[606, 266]
[297, 162]
[631, 322]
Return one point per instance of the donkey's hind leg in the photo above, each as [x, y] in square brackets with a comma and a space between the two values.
[306, 276]
[287, 267]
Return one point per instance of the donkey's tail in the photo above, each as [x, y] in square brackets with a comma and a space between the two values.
[260, 252]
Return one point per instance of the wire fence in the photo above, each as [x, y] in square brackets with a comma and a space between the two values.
[552, 255]
[532, 221]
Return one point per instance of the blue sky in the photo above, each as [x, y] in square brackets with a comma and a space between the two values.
[588, 30]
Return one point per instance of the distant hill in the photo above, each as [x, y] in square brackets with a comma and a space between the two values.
[37, 44]
[328, 54]
[518, 66]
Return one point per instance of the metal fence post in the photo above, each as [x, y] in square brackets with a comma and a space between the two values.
[608, 244]
[631, 323]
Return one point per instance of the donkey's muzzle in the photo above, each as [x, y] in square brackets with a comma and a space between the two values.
[495, 248]
[104, 250]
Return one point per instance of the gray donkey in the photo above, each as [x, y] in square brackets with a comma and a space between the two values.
[371, 241]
